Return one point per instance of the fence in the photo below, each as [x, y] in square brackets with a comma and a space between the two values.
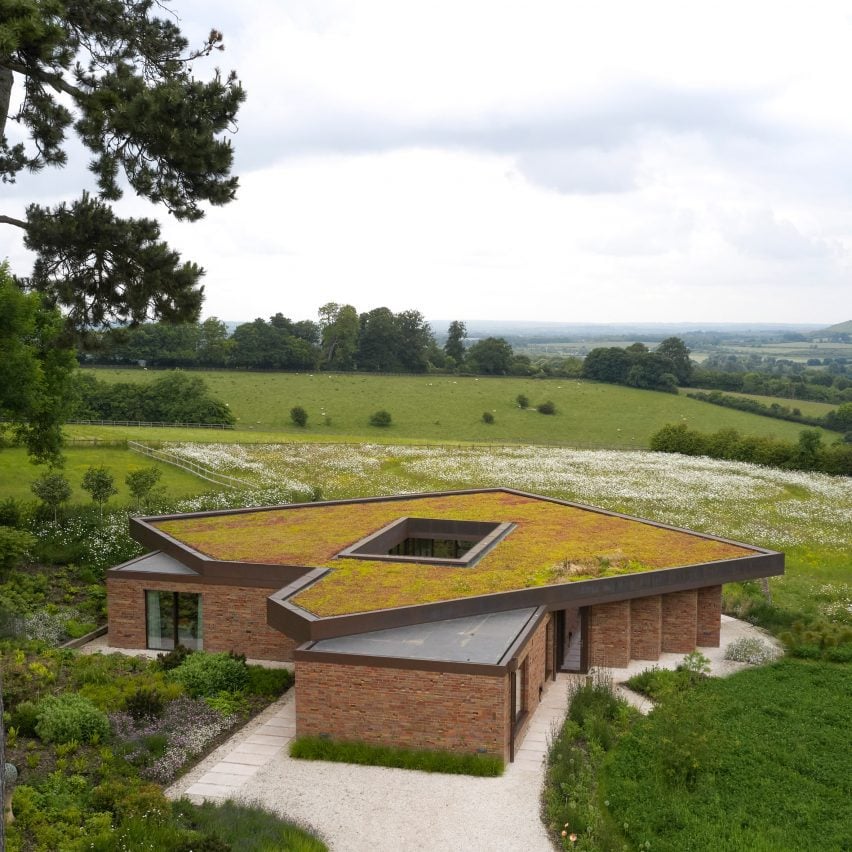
[157, 423]
[188, 465]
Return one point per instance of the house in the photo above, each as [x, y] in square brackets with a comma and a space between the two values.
[426, 620]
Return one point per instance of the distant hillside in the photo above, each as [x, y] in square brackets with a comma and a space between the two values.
[839, 329]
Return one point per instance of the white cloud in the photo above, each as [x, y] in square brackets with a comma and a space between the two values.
[589, 162]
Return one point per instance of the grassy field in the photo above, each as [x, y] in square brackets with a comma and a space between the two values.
[446, 409]
[17, 474]
[756, 761]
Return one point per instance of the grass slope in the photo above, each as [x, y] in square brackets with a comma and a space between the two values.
[17, 474]
[447, 408]
[768, 758]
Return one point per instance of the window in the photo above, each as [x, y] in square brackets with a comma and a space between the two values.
[520, 691]
[173, 618]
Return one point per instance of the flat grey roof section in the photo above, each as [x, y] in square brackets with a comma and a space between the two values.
[157, 563]
[472, 639]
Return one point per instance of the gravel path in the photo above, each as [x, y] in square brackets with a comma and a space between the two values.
[373, 809]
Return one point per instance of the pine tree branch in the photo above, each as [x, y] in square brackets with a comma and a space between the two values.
[9, 220]
[56, 81]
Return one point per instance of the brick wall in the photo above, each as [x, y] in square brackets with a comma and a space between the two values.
[403, 707]
[535, 653]
[234, 617]
[709, 616]
[609, 634]
[680, 621]
[646, 628]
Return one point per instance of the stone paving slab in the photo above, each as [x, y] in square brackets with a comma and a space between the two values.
[226, 766]
[276, 740]
[224, 779]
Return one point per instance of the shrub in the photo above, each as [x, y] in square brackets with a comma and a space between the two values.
[656, 683]
[749, 649]
[546, 407]
[299, 416]
[172, 659]
[380, 418]
[70, 717]
[24, 718]
[235, 823]
[228, 703]
[11, 512]
[144, 703]
[209, 674]
[268, 682]
[487, 417]
[14, 547]
[522, 400]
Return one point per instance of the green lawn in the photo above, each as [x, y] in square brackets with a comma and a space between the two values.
[16, 473]
[757, 761]
[445, 409]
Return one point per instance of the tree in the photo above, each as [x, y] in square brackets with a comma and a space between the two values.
[53, 489]
[214, 346]
[492, 356]
[100, 484]
[35, 370]
[677, 352]
[840, 419]
[379, 342]
[608, 364]
[299, 416]
[123, 79]
[141, 483]
[454, 347]
[339, 327]
[415, 341]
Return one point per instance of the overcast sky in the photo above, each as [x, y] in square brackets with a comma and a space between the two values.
[575, 162]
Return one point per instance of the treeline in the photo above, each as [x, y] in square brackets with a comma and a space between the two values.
[376, 341]
[830, 381]
[839, 420]
[173, 398]
[636, 366]
[809, 453]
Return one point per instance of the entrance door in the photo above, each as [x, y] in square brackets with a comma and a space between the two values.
[571, 639]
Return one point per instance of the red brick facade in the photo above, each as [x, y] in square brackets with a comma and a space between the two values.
[709, 616]
[680, 621]
[609, 635]
[418, 709]
[403, 707]
[234, 617]
[643, 628]
[646, 641]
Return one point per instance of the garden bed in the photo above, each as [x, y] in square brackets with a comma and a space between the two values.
[94, 736]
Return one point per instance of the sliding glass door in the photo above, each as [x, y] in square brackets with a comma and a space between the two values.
[173, 618]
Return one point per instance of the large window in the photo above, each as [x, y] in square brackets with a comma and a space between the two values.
[173, 618]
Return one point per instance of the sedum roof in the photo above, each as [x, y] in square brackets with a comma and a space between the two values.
[551, 543]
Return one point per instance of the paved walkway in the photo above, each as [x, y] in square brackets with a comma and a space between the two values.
[374, 809]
